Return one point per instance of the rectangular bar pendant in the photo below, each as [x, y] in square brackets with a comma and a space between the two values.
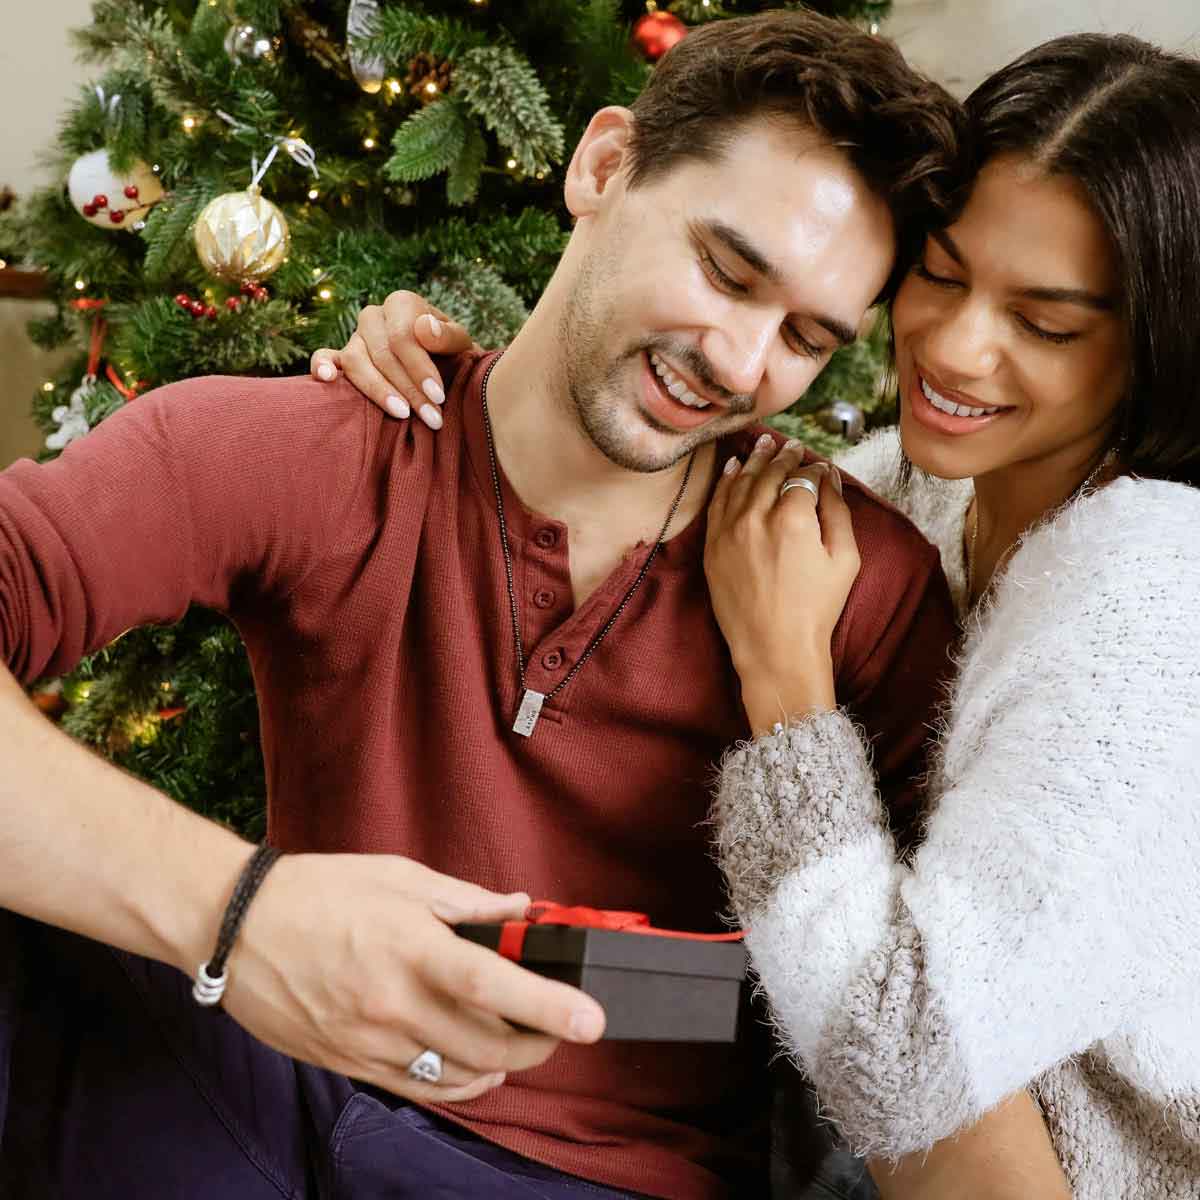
[527, 717]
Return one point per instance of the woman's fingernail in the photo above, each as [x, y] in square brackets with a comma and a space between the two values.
[765, 442]
[435, 327]
[327, 371]
[494, 1081]
[584, 1027]
[835, 477]
[431, 416]
[732, 465]
[792, 444]
[397, 406]
[433, 390]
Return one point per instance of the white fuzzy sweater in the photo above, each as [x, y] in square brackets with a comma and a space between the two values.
[1047, 931]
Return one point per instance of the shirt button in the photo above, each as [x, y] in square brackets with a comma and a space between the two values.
[552, 660]
[546, 538]
[543, 599]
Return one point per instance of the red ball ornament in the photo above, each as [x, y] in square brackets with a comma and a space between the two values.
[196, 308]
[116, 216]
[100, 200]
[233, 304]
[131, 192]
[90, 210]
[183, 300]
[211, 312]
[656, 32]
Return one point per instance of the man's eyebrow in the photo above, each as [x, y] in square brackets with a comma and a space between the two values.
[1051, 295]
[759, 263]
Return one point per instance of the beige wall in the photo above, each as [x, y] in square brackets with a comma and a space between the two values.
[38, 77]
[958, 41]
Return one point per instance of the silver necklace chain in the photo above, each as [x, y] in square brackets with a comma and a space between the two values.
[532, 702]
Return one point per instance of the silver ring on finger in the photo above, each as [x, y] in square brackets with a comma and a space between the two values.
[799, 481]
[426, 1067]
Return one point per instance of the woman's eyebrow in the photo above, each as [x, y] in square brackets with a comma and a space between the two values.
[1052, 295]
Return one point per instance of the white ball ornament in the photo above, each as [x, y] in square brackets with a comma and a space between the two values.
[112, 199]
[242, 236]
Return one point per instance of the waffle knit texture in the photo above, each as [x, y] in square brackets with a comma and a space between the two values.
[1046, 933]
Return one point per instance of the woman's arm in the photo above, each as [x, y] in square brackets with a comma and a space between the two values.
[1006, 1155]
[1031, 922]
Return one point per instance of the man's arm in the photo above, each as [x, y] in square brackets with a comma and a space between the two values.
[179, 498]
[1007, 1155]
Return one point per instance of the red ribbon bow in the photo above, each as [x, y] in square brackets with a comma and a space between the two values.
[547, 912]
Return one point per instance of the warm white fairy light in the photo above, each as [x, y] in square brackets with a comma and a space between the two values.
[80, 285]
[313, 193]
[394, 86]
[512, 164]
[431, 88]
[326, 293]
[189, 122]
[48, 386]
[368, 143]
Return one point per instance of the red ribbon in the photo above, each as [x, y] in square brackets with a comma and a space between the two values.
[96, 346]
[546, 912]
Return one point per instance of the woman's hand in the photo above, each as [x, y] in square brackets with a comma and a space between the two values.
[387, 356]
[780, 566]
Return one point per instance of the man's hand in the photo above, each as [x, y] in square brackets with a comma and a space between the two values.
[387, 356]
[349, 961]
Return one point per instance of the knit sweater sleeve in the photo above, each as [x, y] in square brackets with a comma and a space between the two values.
[216, 491]
[1054, 897]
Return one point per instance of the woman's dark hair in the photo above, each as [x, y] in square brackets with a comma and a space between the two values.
[1122, 118]
[900, 131]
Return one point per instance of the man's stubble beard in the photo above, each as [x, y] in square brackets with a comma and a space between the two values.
[595, 380]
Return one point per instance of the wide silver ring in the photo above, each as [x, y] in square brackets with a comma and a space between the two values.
[800, 481]
[426, 1067]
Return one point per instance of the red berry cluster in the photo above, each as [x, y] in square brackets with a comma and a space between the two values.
[196, 307]
[100, 200]
[252, 291]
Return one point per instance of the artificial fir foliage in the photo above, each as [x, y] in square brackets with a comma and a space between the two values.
[446, 179]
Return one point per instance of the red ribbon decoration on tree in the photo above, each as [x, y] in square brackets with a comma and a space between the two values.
[96, 345]
[547, 912]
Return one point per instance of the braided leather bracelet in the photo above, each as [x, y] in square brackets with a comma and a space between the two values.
[212, 977]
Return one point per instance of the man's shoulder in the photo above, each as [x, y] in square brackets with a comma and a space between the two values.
[885, 534]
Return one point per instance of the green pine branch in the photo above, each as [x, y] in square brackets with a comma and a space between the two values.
[500, 86]
[429, 142]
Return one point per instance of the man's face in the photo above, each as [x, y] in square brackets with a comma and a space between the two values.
[710, 298]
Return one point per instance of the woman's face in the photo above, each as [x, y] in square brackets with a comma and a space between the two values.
[1010, 344]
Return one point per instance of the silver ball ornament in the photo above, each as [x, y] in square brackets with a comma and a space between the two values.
[246, 44]
[845, 419]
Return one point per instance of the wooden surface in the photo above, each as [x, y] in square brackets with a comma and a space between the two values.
[22, 285]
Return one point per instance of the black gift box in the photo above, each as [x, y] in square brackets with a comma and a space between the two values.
[652, 987]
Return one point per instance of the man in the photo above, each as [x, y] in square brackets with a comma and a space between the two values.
[465, 656]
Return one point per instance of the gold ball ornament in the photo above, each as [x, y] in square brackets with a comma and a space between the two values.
[242, 236]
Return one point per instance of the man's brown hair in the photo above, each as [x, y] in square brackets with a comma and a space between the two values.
[901, 132]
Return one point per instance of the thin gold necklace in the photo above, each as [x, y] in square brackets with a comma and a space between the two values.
[1106, 461]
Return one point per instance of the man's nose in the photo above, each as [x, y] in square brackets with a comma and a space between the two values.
[738, 352]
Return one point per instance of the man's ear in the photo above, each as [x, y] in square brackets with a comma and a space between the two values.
[598, 159]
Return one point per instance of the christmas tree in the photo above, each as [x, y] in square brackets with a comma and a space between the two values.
[242, 177]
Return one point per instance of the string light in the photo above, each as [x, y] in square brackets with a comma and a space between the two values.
[431, 88]
[874, 26]
[512, 164]
[316, 272]
[394, 86]
[325, 293]
[189, 122]
[368, 143]
[3, 264]
[80, 285]
[313, 193]
[48, 386]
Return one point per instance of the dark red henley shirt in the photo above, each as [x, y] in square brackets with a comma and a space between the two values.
[360, 560]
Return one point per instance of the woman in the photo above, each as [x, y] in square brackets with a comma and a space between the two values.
[1046, 932]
